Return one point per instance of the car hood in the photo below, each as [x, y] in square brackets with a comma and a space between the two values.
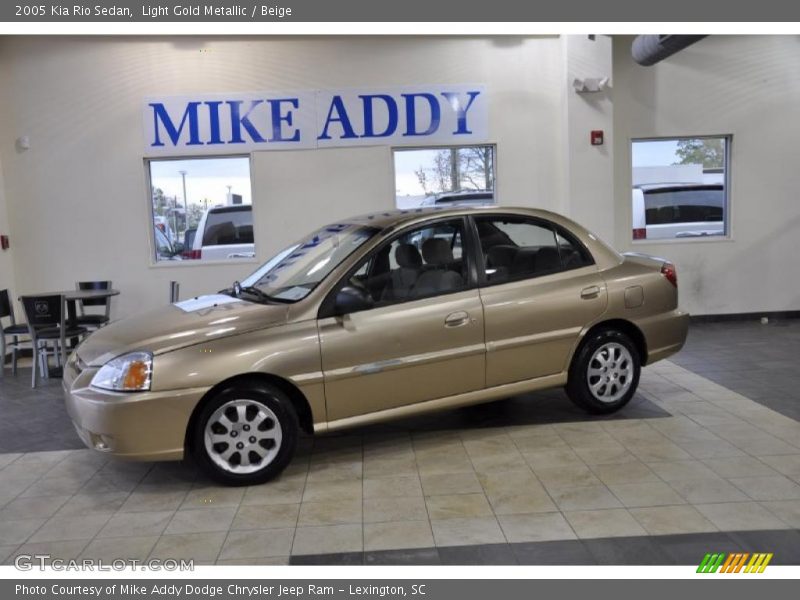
[178, 325]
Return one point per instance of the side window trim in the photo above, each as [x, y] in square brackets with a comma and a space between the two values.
[326, 309]
[557, 230]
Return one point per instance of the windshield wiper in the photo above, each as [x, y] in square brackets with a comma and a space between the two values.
[250, 289]
[237, 289]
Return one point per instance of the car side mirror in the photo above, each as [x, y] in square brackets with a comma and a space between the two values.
[177, 247]
[351, 299]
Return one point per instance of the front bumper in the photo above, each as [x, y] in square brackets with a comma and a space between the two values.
[134, 425]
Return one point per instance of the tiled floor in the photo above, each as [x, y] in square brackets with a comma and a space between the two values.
[690, 466]
[755, 360]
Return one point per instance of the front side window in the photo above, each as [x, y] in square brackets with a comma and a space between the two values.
[680, 187]
[444, 176]
[518, 248]
[202, 207]
[421, 263]
[295, 271]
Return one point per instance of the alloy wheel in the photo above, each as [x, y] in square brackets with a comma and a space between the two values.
[610, 372]
[243, 436]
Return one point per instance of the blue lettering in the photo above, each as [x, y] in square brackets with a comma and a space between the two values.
[411, 114]
[174, 133]
[237, 122]
[213, 122]
[461, 113]
[369, 125]
[278, 119]
[340, 117]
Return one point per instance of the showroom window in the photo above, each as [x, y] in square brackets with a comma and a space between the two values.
[202, 209]
[680, 187]
[442, 176]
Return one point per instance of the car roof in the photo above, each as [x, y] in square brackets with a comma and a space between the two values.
[395, 218]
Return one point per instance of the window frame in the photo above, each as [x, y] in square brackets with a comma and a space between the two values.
[556, 229]
[327, 308]
[492, 145]
[153, 249]
[727, 235]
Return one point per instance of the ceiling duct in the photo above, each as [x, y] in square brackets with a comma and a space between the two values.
[648, 50]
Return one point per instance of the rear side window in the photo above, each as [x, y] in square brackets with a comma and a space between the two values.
[229, 226]
[684, 205]
[519, 248]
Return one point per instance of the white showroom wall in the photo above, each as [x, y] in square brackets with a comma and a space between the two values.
[6, 263]
[590, 169]
[76, 203]
[748, 87]
[77, 199]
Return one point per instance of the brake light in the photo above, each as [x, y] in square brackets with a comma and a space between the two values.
[640, 234]
[193, 254]
[668, 270]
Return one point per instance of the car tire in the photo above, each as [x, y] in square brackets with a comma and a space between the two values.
[604, 373]
[242, 427]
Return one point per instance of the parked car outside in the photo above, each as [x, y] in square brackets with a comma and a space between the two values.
[465, 197]
[165, 250]
[678, 210]
[370, 319]
[224, 232]
[188, 244]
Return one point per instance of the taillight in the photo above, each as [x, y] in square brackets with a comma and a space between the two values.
[640, 234]
[668, 270]
[194, 254]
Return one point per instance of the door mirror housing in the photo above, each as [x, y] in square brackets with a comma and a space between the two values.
[351, 299]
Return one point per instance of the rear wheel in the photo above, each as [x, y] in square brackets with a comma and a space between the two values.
[604, 373]
[245, 436]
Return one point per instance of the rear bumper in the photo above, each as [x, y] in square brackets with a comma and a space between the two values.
[136, 426]
[665, 334]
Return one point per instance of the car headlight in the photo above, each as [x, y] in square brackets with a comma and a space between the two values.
[126, 373]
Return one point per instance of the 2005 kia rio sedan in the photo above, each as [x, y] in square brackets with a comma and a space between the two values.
[377, 317]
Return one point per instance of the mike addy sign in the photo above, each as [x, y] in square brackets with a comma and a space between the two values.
[236, 123]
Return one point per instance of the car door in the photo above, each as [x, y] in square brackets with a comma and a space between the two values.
[418, 335]
[539, 289]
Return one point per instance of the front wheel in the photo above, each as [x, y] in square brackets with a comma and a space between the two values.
[245, 436]
[604, 373]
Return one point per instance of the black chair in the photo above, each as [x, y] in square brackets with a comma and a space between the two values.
[93, 320]
[14, 330]
[46, 323]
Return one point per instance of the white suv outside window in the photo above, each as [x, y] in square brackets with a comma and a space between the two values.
[678, 210]
[225, 232]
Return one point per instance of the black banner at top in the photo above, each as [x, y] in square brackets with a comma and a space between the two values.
[466, 11]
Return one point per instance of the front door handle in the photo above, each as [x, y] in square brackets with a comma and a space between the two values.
[590, 292]
[456, 319]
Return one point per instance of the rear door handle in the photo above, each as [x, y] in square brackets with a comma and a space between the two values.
[590, 292]
[457, 319]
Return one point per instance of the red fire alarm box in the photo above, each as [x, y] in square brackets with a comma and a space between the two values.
[597, 137]
[4, 242]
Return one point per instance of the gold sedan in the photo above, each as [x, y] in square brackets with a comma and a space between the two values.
[374, 318]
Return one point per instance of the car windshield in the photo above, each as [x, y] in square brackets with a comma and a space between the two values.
[293, 272]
